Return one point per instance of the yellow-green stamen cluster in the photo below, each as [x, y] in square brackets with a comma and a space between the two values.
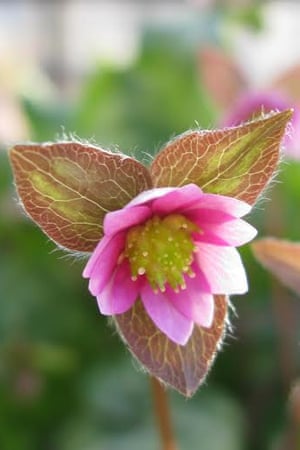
[162, 250]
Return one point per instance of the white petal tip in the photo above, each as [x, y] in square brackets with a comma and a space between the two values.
[86, 273]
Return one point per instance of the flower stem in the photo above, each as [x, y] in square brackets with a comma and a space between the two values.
[163, 416]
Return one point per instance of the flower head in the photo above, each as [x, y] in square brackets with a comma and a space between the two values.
[159, 254]
[173, 248]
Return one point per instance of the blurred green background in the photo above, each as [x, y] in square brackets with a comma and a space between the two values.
[66, 380]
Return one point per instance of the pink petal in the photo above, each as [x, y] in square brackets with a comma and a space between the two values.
[166, 317]
[179, 199]
[207, 215]
[121, 219]
[222, 268]
[150, 195]
[232, 233]
[92, 262]
[193, 303]
[119, 295]
[228, 205]
[103, 262]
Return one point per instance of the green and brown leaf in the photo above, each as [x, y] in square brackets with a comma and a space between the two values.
[67, 188]
[182, 367]
[237, 161]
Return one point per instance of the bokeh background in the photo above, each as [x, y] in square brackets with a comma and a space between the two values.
[130, 75]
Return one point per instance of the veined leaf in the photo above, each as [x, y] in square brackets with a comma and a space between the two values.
[182, 367]
[68, 187]
[237, 162]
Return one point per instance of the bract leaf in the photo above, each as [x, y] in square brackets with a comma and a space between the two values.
[281, 258]
[237, 161]
[182, 367]
[68, 187]
[288, 84]
[221, 77]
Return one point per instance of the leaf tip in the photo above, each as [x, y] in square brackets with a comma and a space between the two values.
[282, 118]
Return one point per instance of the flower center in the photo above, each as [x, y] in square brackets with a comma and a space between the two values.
[162, 250]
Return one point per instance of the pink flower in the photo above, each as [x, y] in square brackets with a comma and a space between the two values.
[174, 249]
[252, 104]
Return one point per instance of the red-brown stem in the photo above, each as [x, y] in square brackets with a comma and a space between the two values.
[163, 416]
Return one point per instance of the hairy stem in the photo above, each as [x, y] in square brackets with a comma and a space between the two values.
[163, 416]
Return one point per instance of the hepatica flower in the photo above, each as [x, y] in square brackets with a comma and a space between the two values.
[161, 239]
[173, 248]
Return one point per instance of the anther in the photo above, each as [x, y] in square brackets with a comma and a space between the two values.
[162, 250]
[121, 258]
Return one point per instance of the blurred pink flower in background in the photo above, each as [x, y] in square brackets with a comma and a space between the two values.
[239, 102]
[253, 104]
[173, 248]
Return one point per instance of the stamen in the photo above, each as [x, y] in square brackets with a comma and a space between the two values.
[162, 250]
[121, 258]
